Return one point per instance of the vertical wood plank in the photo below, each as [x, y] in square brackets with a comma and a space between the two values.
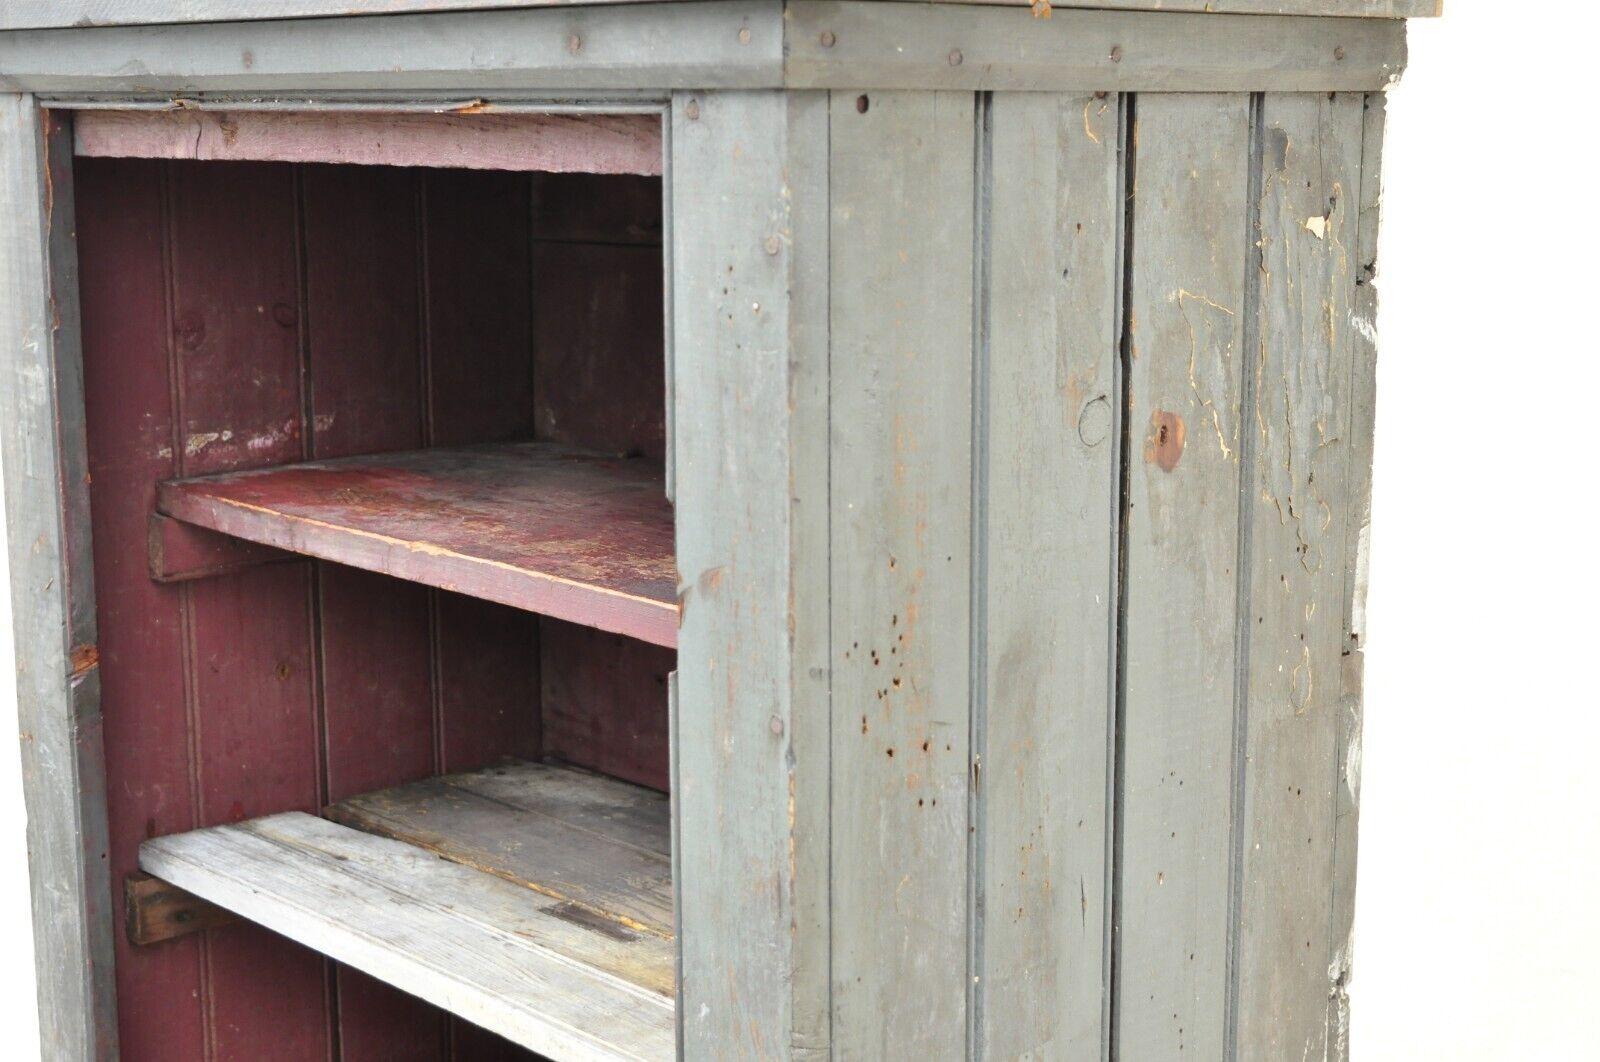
[46, 501]
[128, 405]
[1049, 475]
[1363, 388]
[234, 295]
[364, 277]
[1299, 508]
[749, 225]
[1189, 260]
[901, 407]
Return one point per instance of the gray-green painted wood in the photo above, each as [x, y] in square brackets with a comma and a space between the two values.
[1190, 260]
[842, 44]
[900, 397]
[33, 14]
[704, 44]
[1048, 485]
[1297, 508]
[889, 45]
[1347, 789]
[52, 591]
[751, 468]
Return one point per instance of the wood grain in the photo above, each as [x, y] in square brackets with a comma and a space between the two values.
[154, 911]
[463, 940]
[581, 143]
[1299, 507]
[750, 354]
[599, 845]
[901, 180]
[1190, 249]
[566, 533]
[52, 586]
[1048, 494]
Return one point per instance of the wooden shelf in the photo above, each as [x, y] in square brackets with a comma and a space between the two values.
[575, 535]
[535, 901]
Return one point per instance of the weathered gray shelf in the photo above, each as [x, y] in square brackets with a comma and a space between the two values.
[535, 901]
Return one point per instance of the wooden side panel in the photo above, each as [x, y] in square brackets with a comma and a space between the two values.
[901, 406]
[1047, 489]
[1299, 510]
[365, 380]
[234, 294]
[1190, 258]
[749, 314]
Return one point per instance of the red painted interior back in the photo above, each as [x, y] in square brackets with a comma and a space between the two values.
[239, 315]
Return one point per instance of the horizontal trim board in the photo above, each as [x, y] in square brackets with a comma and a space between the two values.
[43, 14]
[709, 44]
[698, 44]
[483, 141]
[871, 44]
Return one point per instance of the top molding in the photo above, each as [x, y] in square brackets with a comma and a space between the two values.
[47, 14]
[568, 50]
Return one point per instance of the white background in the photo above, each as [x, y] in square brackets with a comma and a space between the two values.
[1478, 911]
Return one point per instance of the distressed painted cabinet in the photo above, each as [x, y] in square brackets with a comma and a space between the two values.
[737, 529]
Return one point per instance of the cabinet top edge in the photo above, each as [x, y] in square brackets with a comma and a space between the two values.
[78, 14]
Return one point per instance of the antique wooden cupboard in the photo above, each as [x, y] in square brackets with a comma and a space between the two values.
[927, 441]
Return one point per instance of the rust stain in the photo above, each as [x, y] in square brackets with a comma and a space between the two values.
[1164, 446]
[84, 658]
[475, 107]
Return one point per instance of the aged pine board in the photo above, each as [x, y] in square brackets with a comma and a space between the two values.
[901, 405]
[1047, 494]
[596, 844]
[1363, 382]
[1190, 248]
[749, 44]
[567, 533]
[1298, 508]
[463, 940]
[24, 14]
[52, 594]
[867, 44]
[601, 143]
[750, 356]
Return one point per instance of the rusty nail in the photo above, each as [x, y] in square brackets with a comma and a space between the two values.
[1116, 53]
[777, 726]
[828, 39]
[691, 110]
[1338, 54]
[955, 57]
[574, 44]
[1100, 95]
[744, 35]
[862, 103]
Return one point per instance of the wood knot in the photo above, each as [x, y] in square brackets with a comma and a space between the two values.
[1164, 446]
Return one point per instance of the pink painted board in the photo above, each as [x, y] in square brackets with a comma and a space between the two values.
[482, 139]
[142, 699]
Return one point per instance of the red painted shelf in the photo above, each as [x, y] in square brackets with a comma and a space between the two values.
[566, 533]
